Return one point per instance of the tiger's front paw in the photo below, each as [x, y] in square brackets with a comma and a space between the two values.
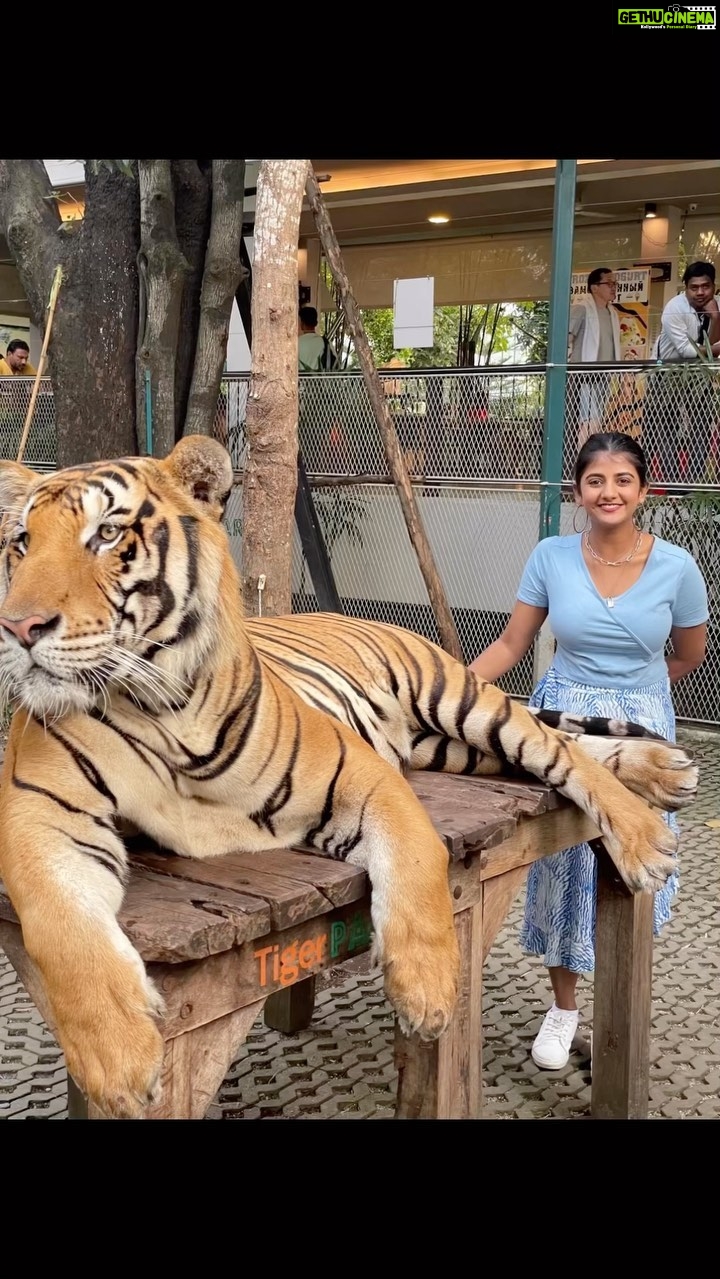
[643, 852]
[421, 982]
[114, 1050]
[672, 777]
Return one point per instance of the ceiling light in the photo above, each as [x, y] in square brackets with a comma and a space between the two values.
[439, 218]
[650, 211]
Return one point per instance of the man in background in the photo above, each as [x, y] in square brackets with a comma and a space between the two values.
[316, 353]
[683, 405]
[16, 362]
[594, 337]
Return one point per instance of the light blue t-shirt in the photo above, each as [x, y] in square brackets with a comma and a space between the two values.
[622, 646]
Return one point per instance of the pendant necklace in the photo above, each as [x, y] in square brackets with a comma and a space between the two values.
[610, 599]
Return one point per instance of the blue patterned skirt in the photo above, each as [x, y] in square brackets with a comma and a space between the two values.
[560, 901]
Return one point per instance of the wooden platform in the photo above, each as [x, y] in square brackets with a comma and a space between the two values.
[228, 938]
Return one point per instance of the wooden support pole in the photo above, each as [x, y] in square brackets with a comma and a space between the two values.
[449, 638]
[623, 996]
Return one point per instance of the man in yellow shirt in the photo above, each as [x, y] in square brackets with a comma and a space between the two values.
[16, 360]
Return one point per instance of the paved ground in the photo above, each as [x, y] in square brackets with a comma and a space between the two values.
[342, 1066]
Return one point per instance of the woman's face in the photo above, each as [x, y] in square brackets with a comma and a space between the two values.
[610, 489]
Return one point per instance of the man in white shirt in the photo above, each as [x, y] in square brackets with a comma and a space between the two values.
[594, 337]
[686, 406]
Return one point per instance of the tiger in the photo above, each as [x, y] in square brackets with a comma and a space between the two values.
[144, 699]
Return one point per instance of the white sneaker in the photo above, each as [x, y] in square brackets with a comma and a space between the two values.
[551, 1048]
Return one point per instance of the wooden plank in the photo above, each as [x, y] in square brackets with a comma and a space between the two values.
[525, 787]
[290, 901]
[172, 920]
[470, 813]
[499, 895]
[196, 1063]
[461, 822]
[460, 1048]
[339, 881]
[202, 991]
[7, 910]
[442, 1079]
[12, 943]
[559, 829]
[623, 997]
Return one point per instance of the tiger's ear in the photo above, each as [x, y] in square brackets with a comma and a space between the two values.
[16, 483]
[203, 468]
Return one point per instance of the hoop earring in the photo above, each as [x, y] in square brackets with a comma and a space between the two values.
[575, 515]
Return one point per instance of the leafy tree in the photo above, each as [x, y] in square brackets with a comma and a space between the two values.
[488, 327]
[531, 320]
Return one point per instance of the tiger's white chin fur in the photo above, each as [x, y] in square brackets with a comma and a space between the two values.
[47, 696]
[50, 698]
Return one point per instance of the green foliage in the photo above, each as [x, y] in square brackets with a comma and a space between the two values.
[474, 323]
[378, 325]
[693, 522]
[531, 320]
[705, 352]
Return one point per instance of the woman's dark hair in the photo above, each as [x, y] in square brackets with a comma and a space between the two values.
[611, 442]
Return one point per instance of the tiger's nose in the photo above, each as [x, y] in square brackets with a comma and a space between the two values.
[30, 629]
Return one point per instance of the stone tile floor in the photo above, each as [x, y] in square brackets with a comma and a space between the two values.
[341, 1067]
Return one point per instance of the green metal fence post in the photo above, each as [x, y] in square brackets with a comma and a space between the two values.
[148, 415]
[560, 284]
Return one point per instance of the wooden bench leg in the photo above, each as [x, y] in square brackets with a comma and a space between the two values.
[623, 994]
[196, 1063]
[443, 1079]
[291, 1009]
[77, 1101]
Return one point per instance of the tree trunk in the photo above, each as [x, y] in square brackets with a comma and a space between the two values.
[92, 348]
[162, 269]
[221, 278]
[271, 470]
[193, 198]
[446, 626]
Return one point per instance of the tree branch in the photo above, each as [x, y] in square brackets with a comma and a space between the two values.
[33, 229]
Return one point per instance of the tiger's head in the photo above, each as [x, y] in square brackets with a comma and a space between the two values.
[110, 578]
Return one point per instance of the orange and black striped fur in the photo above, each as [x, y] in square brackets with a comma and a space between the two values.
[143, 695]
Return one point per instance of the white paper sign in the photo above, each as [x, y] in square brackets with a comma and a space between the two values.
[413, 302]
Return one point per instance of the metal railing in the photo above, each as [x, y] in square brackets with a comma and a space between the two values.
[40, 448]
[473, 441]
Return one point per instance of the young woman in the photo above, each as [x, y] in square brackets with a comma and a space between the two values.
[613, 595]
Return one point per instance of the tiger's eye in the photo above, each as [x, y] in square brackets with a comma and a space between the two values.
[108, 532]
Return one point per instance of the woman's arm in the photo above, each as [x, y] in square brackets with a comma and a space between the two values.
[688, 650]
[513, 644]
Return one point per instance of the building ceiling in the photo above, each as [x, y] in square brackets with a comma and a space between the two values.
[381, 201]
[384, 200]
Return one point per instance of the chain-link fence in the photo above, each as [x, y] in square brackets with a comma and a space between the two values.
[673, 410]
[40, 448]
[465, 424]
[472, 440]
